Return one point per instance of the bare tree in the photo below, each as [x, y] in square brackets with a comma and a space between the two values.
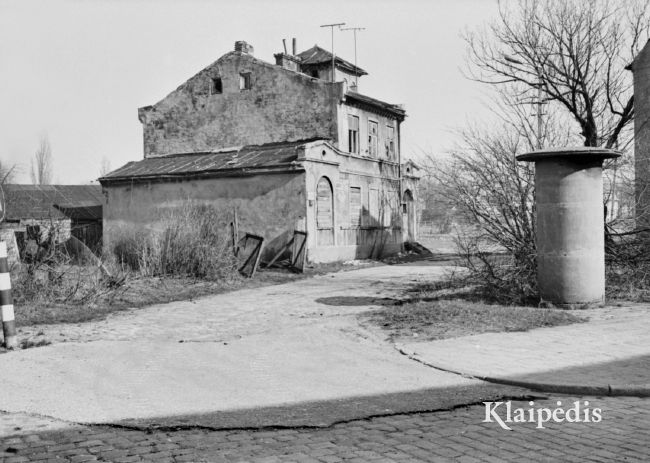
[7, 172]
[41, 171]
[574, 52]
[104, 167]
[494, 193]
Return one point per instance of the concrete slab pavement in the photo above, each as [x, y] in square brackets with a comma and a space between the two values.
[608, 355]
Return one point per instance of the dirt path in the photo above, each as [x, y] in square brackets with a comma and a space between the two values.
[327, 299]
[262, 347]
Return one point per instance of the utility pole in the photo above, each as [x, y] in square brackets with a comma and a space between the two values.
[331, 26]
[356, 72]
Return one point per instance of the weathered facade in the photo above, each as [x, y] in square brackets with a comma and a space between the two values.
[641, 69]
[284, 145]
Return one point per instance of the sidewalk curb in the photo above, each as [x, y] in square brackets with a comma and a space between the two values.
[612, 390]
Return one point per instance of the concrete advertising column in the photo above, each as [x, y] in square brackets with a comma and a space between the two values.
[570, 223]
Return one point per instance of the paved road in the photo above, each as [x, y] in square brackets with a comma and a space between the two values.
[455, 435]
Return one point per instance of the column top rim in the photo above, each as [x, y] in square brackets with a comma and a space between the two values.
[578, 153]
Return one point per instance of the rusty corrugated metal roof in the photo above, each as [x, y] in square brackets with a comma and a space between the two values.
[270, 155]
[48, 201]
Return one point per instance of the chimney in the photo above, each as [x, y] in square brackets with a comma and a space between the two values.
[243, 47]
[295, 46]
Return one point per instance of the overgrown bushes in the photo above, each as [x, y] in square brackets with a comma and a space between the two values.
[192, 241]
[628, 268]
[484, 182]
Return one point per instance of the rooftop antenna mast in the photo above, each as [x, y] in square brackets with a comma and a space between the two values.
[331, 26]
[356, 69]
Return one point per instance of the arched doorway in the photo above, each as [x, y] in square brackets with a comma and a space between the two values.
[324, 213]
[408, 217]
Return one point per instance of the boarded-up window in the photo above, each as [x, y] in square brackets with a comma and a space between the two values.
[373, 138]
[389, 206]
[355, 206]
[374, 208]
[353, 134]
[365, 211]
[324, 204]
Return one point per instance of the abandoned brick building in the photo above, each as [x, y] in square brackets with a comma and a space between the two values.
[291, 146]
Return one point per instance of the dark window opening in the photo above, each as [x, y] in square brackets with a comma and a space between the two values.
[217, 86]
[353, 134]
[314, 73]
[245, 82]
[33, 232]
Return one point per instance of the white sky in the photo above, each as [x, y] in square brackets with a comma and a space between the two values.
[78, 70]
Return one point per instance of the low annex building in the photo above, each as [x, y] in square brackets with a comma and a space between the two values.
[34, 212]
[290, 146]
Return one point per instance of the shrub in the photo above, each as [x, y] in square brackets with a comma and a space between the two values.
[194, 241]
[628, 268]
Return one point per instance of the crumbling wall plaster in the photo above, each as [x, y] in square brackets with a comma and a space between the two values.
[267, 205]
[281, 105]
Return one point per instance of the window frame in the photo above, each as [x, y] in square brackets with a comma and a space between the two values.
[356, 135]
[390, 141]
[373, 139]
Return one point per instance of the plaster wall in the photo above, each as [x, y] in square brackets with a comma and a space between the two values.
[641, 69]
[281, 105]
[379, 233]
[269, 205]
[364, 117]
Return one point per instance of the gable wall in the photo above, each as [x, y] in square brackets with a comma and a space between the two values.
[281, 106]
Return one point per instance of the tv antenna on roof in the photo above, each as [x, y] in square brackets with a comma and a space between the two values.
[331, 26]
[356, 69]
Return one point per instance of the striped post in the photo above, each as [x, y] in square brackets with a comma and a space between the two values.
[6, 301]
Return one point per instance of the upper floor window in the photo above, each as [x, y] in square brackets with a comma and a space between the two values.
[390, 142]
[216, 86]
[373, 138]
[245, 82]
[353, 134]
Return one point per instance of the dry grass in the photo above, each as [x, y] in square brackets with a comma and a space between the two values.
[442, 319]
[139, 292]
[191, 242]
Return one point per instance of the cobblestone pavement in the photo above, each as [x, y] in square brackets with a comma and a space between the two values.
[455, 435]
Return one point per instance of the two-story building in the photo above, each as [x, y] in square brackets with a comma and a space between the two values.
[289, 145]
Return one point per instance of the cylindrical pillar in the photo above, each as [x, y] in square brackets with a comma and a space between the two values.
[6, 301]
[570, 223]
